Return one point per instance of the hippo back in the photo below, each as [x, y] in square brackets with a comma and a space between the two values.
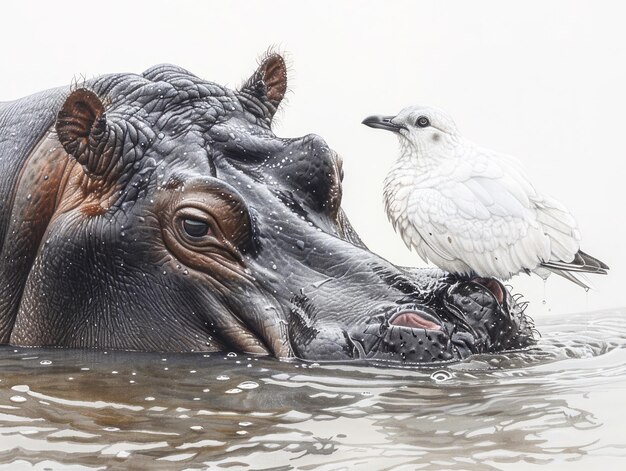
[22, 124]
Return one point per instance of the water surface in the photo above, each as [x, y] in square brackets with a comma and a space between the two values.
[561, 405]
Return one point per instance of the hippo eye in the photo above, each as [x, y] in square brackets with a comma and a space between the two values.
[422, 122]
[194, 228]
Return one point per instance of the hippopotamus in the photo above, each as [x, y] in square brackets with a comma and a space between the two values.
[160, 212]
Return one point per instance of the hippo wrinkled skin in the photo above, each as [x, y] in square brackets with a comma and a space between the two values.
[159, 212]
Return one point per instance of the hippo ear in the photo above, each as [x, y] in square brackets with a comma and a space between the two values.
[84, 133]
[269, 83]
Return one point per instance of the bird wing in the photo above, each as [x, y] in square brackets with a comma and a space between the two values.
[483, 211]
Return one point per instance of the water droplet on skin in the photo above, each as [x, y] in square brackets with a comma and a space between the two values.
[161, 135]
[231, 354]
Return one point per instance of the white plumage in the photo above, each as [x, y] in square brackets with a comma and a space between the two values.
[471, 210]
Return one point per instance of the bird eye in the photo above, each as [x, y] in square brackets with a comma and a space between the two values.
[194, 228]
[422, 122]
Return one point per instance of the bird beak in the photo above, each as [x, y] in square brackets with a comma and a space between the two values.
[382, 122]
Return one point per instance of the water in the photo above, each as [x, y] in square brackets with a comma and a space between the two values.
[557, 406]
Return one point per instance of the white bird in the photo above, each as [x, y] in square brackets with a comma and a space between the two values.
[471, 210]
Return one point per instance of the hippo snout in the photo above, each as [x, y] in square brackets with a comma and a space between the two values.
[464, 317]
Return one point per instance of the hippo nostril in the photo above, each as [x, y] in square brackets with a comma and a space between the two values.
[415, 320]
[494, 286]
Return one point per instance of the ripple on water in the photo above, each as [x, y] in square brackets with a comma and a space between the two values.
[559, 404]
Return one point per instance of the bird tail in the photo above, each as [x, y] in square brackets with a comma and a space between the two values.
[576, 269]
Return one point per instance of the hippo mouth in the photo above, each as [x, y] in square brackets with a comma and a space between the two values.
[414, 319]
[461, 317]
[449, 328]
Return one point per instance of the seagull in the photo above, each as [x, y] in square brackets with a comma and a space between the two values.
[473, 211]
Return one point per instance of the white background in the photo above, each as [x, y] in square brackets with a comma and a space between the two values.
[541, 80]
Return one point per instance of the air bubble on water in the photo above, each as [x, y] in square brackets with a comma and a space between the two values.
[18, 399]
[248, 385]
[149, 398]
[45, 362]
[223, 378]
[196, 428]
[21, 388]
[440, 376]
[233, 391]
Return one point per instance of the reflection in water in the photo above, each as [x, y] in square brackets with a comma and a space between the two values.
[557, 405]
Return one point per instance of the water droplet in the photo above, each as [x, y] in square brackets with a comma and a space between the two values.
[161, 135]
[18, 399]
[45, 362]
[233, 391]
[223, 378]
[248, 385]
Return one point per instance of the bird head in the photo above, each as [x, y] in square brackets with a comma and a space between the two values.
[420, 125]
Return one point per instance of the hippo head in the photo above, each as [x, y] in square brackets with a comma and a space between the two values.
[183, 223]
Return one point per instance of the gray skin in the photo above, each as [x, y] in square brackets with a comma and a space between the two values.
[159, 212]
